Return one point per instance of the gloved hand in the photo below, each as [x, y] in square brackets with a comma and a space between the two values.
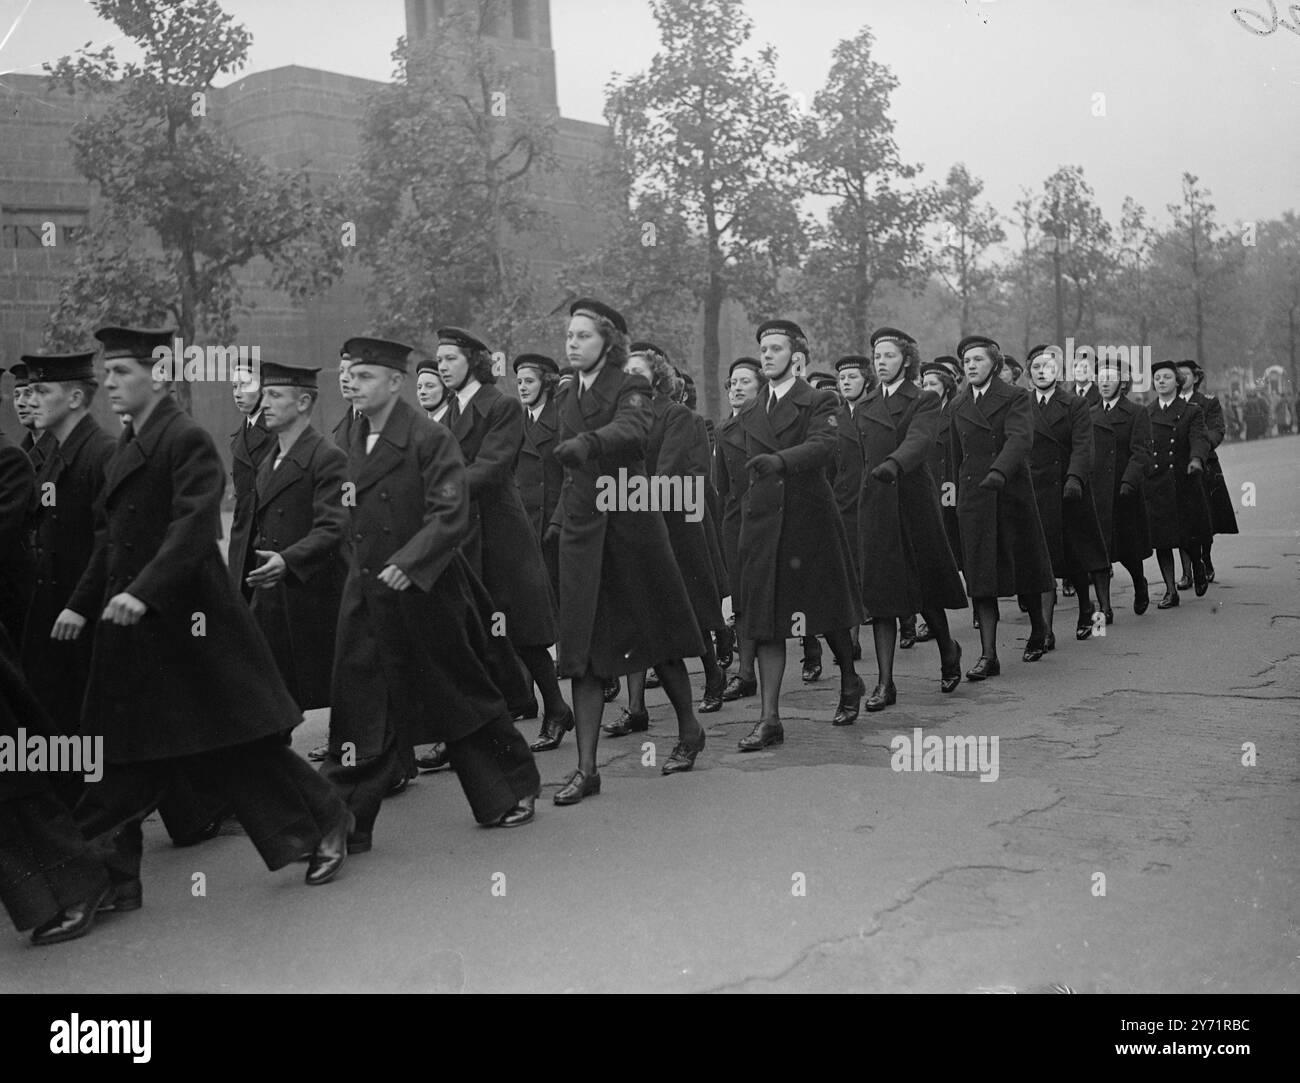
[572, 452]
[1195, 467]
[887, 472]
[994, 482]
[1126, 490]
[1073, 489]
[762, 465]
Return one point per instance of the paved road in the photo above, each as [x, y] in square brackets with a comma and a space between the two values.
[1121, 756]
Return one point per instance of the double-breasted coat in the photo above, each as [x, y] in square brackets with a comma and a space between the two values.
[1004, 551]
[794, 551]
[422, 660]
[1063, 449]
[194, 673]
[249, 445]
[36, 445]
[907, 565]
[17, 492]
[1121, 441]
[1223, 516]
[299, 512]
[501, 547]
[539, 475]
[700, 464]
[343, 430]
[846, 478]
[623, 603]
[732, 481]
[1177, 508]
[945, 478]
[67, 486]
[673, 450]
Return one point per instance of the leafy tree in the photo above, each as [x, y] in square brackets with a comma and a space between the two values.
[182, 207]
[970, 230]
[1077, 242]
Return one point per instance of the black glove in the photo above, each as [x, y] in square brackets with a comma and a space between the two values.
[1195, 467]
[762, 465]
[887, 472]
[1126, 490]
[551, 535]
[994, 482]
[572, 452]
[1073, 489]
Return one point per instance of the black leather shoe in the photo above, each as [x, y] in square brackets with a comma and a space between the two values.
[1049, 644]
[739, 688]
[525, 711]
[652, 680]
[850, 704]
[1110, 617]
[985, 667]
[907, 634]
[628, 722]
[1033, 650]
[1185, 583]
[975, 621]
[683, 757]
[1169, 601]
[812, 671]
[1141, 598]
[713, 688]
[1067, 588]
[73, 921]
[434, 760]
[553, 731]
[319, 753]
[128, 895]
[1209, 570]
[330, 853]
[923, 633]
[762, 735]
[576, 787]
[1083, 626]
[882, 696]
[398, 787]
[360, 842]
[209, 830]
[612, 688]
[950, 672]
[1199, 578]
[521, 814]
[725, 647]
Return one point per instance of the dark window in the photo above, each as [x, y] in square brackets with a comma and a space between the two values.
[23, 228]
[523, 15]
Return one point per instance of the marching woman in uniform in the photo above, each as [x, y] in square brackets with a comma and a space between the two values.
[745, 383]
[1060, 465]
[623, 604]
[907, 566]
[1121, 440]
[855, 380]
[1223, 517]
[430, 391]
[1004, 551]
[1177, 509]
[501, 548]
[668, 454]
[796, 574]
[937, 377]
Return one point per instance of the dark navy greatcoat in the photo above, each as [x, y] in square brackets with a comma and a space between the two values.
[501, 547]
[1177, 508]
[249, 445]
[17, 489]
[539, 475]
[732, 481]
[343, 430]
[700, 464]
[1063, 448]
[623, 604]
[1004, 551]
[907, 566]
[1222, 513]
[67, 486]
[846, 478]
[945, 478]
[423, 658]
[794, 552]
[672, 450]
[194, 674]
[298, 512]
[1121, 442]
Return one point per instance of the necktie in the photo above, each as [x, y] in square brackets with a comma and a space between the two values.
[771, 401]
[128, 434]
[365, 432]
[1042, 400]
[453, 411]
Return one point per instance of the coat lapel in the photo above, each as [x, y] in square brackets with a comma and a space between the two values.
[875, 408]
[756, 422]
[787, 411]
[965, 406]
[388, 450]
[272, 480]
[131, 457]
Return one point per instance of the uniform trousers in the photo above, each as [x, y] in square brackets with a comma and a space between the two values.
[46, 865]
[495, 767]
[285, 807]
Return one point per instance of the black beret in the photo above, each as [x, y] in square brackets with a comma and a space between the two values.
[136, 342]
[590, 306]
[19, 373]
[537, 361]
[1041, 349]
[644, 346]
[1189, 363]
[779, 327]
[975, 340]
[746, 363]
[378, 351]
[461, 339]
[890, 334]
[1165, 364]
[822, 380]
[853, 361]
[1015, 366]
[953, 365]
[51, 368]
[274, 375]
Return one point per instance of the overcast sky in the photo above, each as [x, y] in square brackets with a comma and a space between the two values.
[1006, 86]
